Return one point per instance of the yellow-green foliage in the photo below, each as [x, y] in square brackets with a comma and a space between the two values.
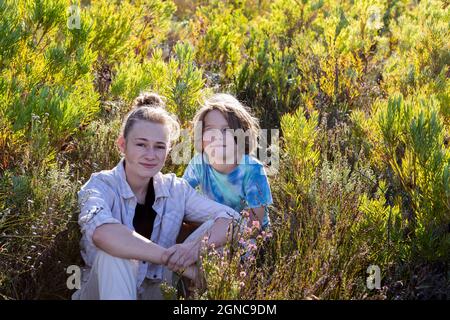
[120, 26]
[419, 60]
[381, 226]
[179, 80]
[412, 134]
[217, 32]
[50, 71]
[359, 90]
[300, 135]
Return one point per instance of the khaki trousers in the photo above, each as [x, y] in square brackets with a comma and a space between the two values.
[113, 278]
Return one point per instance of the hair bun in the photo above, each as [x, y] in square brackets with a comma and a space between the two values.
[149, 99]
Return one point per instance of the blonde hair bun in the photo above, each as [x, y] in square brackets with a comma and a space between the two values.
[149, 99]
[149, 106]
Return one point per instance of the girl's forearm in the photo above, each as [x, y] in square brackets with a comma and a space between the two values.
[119, 241]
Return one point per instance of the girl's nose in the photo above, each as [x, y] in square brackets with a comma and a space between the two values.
[150, 153]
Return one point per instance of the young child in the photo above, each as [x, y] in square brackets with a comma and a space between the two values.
[225, 135]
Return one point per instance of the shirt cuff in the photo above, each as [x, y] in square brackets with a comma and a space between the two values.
[228, 213]
[95, 218]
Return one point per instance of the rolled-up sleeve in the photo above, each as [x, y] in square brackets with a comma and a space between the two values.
[95, 202]
[198, 208]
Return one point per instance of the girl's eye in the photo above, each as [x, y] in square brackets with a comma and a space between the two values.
[140, 145]
[161, 147]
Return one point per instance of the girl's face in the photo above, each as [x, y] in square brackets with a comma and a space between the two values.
[218, 139]
[146, 148]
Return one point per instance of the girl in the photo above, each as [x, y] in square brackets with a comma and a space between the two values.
[225, 135]
[131, 215]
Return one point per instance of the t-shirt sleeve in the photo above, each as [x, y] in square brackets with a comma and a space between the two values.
[190, 175]
[257, 189]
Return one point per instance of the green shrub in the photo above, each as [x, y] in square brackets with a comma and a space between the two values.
[179, 80]
[144, 25]
[300, 135]
[38, 207]
[364, 174]
[412, 133]
[421, 54]
[217, 32]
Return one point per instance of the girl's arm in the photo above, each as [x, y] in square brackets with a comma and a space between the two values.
[186, 254]
[119, 241]
[108, 233]
[198, 208]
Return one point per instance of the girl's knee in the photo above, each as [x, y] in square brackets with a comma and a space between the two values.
[104, 259]
[200, 231]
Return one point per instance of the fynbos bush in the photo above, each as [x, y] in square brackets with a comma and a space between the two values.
[359, 89]
[412, 133]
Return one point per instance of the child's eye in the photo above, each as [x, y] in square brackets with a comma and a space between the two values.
[140, 145]
[161, 147]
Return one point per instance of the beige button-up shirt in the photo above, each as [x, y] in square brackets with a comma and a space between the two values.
[107, 198]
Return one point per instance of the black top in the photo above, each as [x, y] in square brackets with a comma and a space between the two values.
[144, 215]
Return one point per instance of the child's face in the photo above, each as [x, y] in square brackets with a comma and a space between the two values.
[218, 139]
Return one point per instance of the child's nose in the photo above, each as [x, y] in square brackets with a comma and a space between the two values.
[214, 135]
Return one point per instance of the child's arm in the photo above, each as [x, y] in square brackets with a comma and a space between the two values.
[257, 194]
[256, 214]
[186, 254]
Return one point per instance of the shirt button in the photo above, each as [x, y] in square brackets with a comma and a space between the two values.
[154, 276]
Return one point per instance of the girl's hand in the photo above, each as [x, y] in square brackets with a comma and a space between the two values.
[183, 256]
[167, 253]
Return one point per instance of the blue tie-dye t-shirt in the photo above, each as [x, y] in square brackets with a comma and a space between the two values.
[243, 188]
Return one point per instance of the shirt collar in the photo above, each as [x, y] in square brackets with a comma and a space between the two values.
[125, 189]
[159, 185]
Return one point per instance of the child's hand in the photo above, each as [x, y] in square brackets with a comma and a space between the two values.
[252, 215]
